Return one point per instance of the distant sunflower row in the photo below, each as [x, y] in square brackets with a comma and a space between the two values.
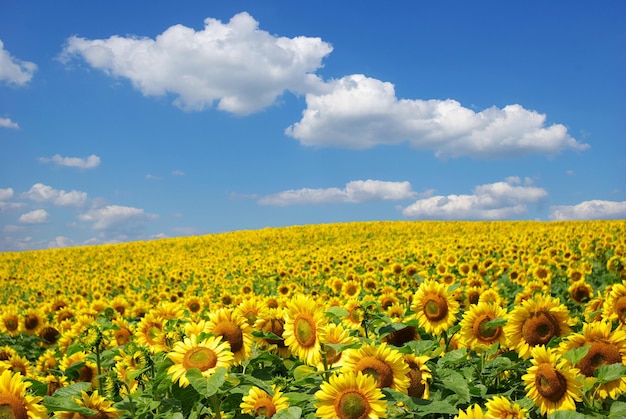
[350, 321]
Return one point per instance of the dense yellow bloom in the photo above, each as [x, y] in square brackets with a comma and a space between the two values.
[102, 406]
[535, 322]
[234, 329]
[14, 400]
[550, 382]
[350, 395]
[472, 412]
[499, 407]
[207, 356]
[381, 361]
[434, 307]
[259, 403]
[304, 329]
[476, 333]
[605, 347]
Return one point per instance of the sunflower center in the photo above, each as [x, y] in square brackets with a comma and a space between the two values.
[620, 309]
[435, 308]
[12, 408]
[417, 387]
[264, 407]
[276, 326]
[31, 322]
[194, 307]
[540, 328]
[304, 330]
[85, 374]
[485, 332]
[11, 323]
[200, 357]
[352, 404]
[550, 383]
[599, 354]
[377, 369]
[232, 333]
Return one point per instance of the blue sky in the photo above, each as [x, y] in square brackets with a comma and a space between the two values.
[138, 120]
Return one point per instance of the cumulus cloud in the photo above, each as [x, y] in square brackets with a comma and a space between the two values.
[44, 193]
[590, 210]
[116, 218]
[37, 216]
[236, 64]
[356, 191]
[494, 201]
[360, 112]
[89, 162]
[14, 71]
[7, 123]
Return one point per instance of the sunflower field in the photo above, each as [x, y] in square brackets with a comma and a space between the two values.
[516, 319]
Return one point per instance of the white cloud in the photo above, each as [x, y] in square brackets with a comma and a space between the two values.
[7, 123]
[89, 162]
[61, 241]
[44, 193]
[116, 217]
[6, 194]
[360, 112]
[14, 71]
[236, 64]
[590, 210]
[494, 201]
[356, 191]
[37, 216]
[178, 173]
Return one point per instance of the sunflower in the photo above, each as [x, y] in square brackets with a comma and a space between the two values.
[207, 356]
[259, 403]
[304, 329]
[18, 364]
[476, 333]
[150, 331]
[535, 322]
[580, 291]
[335, 334]
[615, 304]
[499, 407]
[273, 321]
[234, 329]
[49, 335]
[102, 406]
[356, 314]
[605, 347]
[384, 363]
[251, 309]
[350, 396]
[472, 412]
[32, 322]
[419, 374]
[10, 321]
[550, 382]
[83, 368]
[14, 402]
[434, 307]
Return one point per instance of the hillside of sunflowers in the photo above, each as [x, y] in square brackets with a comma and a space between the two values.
[516, 319]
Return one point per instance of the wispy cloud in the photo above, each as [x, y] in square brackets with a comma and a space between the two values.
[237, 64]
[357, 191]
[360, 112]
[14, 71]
[493, 201]
[89, 162]
[590, 210]
[116, 218]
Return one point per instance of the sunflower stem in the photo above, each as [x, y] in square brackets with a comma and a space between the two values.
[99, 365]
[130, 400]
[216, 406]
